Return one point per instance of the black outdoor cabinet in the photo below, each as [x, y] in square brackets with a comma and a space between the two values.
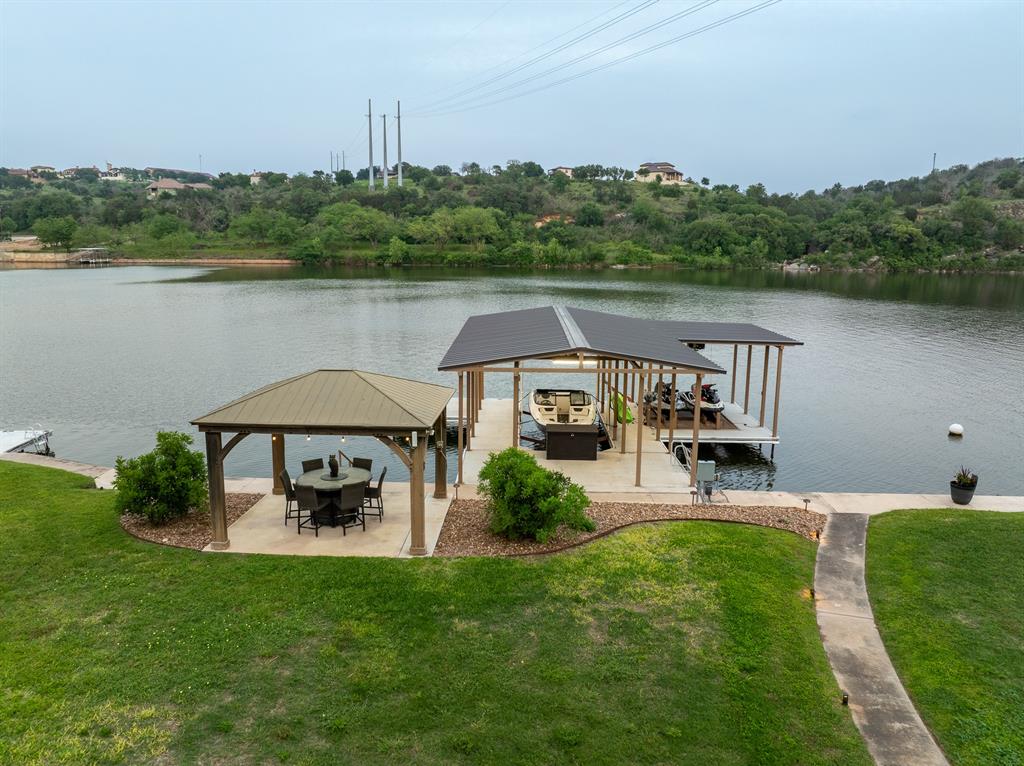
[572, 442]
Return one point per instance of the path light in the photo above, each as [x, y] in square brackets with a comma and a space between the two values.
[846, 699]
[806, 503]
[812, 593]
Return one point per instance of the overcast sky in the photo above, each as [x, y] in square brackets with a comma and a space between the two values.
[798, 95]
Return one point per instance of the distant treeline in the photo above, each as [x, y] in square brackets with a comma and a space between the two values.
[518, 215]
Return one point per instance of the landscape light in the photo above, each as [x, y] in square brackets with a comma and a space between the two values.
[846, 699]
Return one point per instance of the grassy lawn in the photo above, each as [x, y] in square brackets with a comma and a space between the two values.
[947, 589]
[671, 643]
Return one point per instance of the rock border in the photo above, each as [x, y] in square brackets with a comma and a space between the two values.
[465, 532]
[192, 531]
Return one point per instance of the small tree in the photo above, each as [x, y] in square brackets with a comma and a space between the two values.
[525, 499]
[344, 177]
[165, 483]
[590, 215]
[56, 231]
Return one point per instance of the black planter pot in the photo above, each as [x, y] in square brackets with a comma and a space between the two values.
[961, 495]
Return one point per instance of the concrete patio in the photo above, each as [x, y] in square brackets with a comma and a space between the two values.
[261, 529]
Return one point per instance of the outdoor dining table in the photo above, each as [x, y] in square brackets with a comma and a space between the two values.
[321, 480]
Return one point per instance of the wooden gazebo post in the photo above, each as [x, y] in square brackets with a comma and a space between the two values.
[764, 386]
[515, 406]
[277, 460]
[639, 427]
[218, 509]
[417, 520]
[778, 388]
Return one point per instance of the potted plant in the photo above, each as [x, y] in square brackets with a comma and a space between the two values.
[961, 489]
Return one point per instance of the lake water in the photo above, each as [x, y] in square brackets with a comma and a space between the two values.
[106, 357]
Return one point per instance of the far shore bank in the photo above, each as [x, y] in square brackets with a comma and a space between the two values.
[42, 259]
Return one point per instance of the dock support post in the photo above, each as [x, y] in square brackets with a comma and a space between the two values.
[215, 474]
[440, 456]
[639, 427]
[764, 385]
[470, 420]
[657, 406]
[462, 424]
[735, 358]
[625, 405]
[277, 461]
[672, 414]
[515, 406]
[746, 394]
[696, 435]
[778, 388]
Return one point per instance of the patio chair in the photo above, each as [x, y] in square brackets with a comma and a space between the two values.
[318, 508]
[350, 507]
[362, 462]
[291, 508]
[312, 465]
[373, 497]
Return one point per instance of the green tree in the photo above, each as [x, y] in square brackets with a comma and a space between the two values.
[1009, 233]
[163, 225]
[441, 170]
[165, 483]
[475, 225]
[344, 177]
[56, 231]
[590, 214]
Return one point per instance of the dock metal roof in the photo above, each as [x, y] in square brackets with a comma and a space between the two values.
[344, 400]
[554, 331]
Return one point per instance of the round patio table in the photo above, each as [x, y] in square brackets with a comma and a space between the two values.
[316, 480]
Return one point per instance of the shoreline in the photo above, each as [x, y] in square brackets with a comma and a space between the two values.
[30, 259]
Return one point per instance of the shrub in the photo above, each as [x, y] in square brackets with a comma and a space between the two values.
[162, 484]
[525, 500]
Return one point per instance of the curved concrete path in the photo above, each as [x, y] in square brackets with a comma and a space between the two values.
[887, 719]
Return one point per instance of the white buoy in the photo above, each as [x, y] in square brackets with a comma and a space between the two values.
[956, 429]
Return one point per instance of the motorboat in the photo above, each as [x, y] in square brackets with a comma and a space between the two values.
[568, 406]
[710, 402]
[32, 440]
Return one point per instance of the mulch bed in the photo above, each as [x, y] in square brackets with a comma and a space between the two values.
[191, 530]
[465, 531]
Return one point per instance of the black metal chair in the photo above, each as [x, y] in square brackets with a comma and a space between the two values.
[362, 462]
[319, 509]
[291, 508]
[373, 497]
[312, 465]
[350, 507]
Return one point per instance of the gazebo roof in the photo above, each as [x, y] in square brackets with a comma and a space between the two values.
[333, 401]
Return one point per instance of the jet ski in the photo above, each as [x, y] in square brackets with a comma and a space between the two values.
[710, 401]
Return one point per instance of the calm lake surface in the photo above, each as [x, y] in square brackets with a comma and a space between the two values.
[106, 357]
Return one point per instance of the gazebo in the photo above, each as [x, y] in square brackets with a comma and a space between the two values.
[334, 403]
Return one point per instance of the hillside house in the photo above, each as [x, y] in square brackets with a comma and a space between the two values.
[565, 171]
[650, 172]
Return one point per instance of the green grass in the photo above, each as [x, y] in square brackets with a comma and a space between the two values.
[947, 589]
[672, 643]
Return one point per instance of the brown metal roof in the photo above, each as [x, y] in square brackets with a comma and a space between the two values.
[344, 400]
[545, 332]
[731, 332]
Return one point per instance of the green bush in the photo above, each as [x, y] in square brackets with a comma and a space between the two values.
[526, 500]
[165, 483]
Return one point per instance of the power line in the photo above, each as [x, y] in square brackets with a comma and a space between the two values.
[579, 38]
[623, 59]
[528, 51]
[589, 55]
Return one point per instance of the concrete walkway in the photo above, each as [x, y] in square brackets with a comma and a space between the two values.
[887, 719]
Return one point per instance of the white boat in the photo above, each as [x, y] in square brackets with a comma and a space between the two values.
[571, 407]
[35, 440]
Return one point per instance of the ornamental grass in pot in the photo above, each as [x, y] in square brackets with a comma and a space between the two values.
[961, 488]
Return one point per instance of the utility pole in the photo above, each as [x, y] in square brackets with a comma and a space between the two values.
[399, 143]
[384, 167]
[934, 155]
[369, 120]
[200, 163]
[342, 159]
